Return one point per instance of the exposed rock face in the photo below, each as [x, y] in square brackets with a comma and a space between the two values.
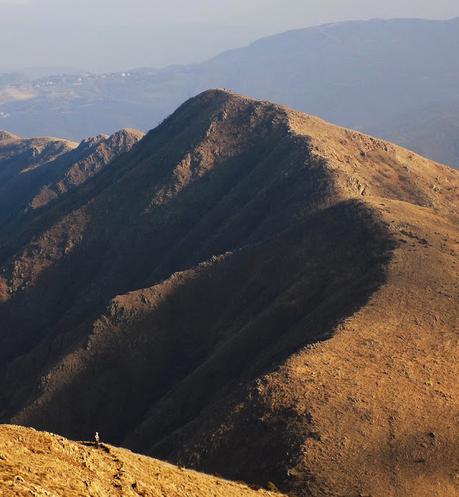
[250, 291]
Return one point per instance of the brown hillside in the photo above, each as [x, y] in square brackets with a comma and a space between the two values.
[43, 465]
[252, 292]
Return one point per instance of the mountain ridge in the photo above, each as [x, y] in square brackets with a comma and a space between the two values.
[265, 291]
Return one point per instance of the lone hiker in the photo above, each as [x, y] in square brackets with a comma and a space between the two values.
[97, 439]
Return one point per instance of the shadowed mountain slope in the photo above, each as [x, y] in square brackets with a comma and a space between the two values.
[43, 465]
[20, 156]
[35, 171]
[250, 291]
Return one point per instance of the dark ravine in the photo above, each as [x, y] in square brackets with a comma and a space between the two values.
[226, 294]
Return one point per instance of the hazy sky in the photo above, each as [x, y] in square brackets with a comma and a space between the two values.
[102, 35]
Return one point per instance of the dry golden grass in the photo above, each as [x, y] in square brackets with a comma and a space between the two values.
[38, 464]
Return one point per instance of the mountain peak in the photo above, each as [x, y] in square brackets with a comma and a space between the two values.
[6, 135]
[357, 164]
[92, 141]
[132, 132]
[124, 138]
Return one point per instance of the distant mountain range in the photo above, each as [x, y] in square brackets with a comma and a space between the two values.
[398, 78]
[247, 290]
